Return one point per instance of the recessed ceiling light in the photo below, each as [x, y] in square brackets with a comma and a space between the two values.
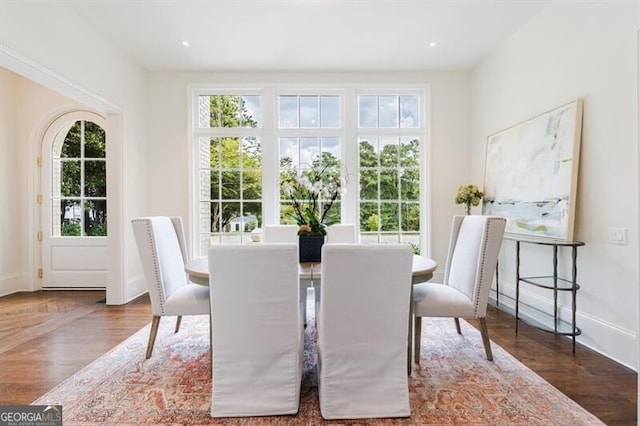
[432, 44]
[185, 43]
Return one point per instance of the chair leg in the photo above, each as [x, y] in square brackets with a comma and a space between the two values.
[417, 338]
[152, 335]
[178, 322]
[485, 338]
[457, 320]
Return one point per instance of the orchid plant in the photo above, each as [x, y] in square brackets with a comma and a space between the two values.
[312, 193]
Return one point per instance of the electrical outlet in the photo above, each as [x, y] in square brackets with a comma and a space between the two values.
[618, 236]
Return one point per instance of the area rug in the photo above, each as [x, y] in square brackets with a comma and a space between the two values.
[453, 385]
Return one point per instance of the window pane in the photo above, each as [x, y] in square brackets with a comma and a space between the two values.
[70, 179]
[56, 178]
[410, 216]
[330, 111]
[410, 184]
[231, 217]
[230, 153]
[333, 215]
[409, 152]
[71, 145]
[95, 224]
[253, 210]
[369, 217]
[288, 111]
[289, 154]
[251, 153]
[389, 216]
[230, 185]
[368, 154]
[368, 184]
[229, 111]
[409, 111]
[95, 179]
[94, 141]
[367, 111]
[331, 155]
[216, 216]
[287, 212]
[207, 155]
[208, 185]
[309, 111]
[69, 218]
[309, 152]
[388, 111]
[389, 152]
[251, 185]
[251, 111]
[389, 184]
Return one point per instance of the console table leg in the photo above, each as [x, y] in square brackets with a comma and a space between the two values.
[517, 281]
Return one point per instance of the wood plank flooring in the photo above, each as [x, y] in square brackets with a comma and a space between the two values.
[47, 336]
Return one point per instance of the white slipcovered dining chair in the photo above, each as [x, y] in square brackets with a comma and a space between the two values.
[342, 233]
[280, 234]
[257, 332]
[161, 245]
[474, 246]
[287, 234]
[362, 330]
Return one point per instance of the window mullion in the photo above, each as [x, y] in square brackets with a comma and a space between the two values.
[270, 163]
[350, 154]
[82, 173]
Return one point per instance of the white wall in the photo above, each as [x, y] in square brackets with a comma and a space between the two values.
[46, 42]
[449, 128]
[12, 244]
[23, 105]
[577, 50]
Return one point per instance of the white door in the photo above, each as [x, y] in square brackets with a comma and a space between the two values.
[74, 202]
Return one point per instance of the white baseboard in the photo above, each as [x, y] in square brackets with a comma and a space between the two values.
[607, 339]
[14, 283]
[135, 288]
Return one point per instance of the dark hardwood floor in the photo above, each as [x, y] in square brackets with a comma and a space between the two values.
[47, 336]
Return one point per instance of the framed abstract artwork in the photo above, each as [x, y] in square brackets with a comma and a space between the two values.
[531, 173]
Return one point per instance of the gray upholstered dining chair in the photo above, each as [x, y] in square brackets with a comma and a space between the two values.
[161, 245]
[474, 246]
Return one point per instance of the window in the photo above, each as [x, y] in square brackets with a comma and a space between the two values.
[248, 141]
[230, 163]
[79, 181]
[309, 138]
[389, 157]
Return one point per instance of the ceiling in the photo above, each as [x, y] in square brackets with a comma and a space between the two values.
[306, 35]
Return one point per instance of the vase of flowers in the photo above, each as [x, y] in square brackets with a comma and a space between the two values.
[311, 193]
[469, 195]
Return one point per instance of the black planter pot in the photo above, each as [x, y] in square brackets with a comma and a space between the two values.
[310, 247]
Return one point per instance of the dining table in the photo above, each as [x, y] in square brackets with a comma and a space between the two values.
[309, 275]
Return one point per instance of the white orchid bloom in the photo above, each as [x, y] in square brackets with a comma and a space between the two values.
[287, 188]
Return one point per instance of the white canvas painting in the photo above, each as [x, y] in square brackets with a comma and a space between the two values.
[531, 173]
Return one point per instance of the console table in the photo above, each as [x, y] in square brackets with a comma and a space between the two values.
[551, 282]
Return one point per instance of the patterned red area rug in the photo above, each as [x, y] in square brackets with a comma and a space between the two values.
[454, 384]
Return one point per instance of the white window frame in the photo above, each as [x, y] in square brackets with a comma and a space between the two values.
[270, 133]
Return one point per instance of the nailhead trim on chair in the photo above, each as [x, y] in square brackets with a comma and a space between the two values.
[485, 242]
[154, 256]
